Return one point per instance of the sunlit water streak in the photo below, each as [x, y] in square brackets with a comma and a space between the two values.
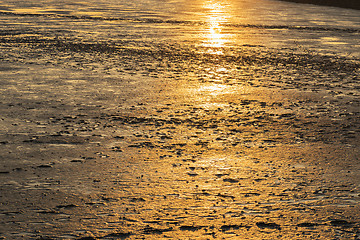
[217, 17]
[210, 23]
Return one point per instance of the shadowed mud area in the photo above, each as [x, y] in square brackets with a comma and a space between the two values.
[172, 139]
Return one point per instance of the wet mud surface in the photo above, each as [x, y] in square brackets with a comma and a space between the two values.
[167, 140]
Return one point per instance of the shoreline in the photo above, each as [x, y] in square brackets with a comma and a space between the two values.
[351, 4]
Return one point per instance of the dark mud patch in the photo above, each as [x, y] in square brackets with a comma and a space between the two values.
[57, 140]
[268, 225]
[191, 228]
[308, 224]
[341, 223]
[152, 230]
[233, 227]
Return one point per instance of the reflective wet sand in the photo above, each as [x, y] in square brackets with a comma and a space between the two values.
[194, 127]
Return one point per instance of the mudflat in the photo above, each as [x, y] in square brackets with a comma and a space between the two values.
[112, 141]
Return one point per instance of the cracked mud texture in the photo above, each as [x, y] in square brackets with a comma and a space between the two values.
[139, 140]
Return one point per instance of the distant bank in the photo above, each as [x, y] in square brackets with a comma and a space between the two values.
[354, 4]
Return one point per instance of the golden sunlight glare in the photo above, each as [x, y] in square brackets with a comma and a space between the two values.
[215, 37]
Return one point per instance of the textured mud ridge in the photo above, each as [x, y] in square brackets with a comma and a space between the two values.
[166, 140]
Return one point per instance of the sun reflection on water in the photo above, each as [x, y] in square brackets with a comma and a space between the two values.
[215, 38]
[217, 14]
